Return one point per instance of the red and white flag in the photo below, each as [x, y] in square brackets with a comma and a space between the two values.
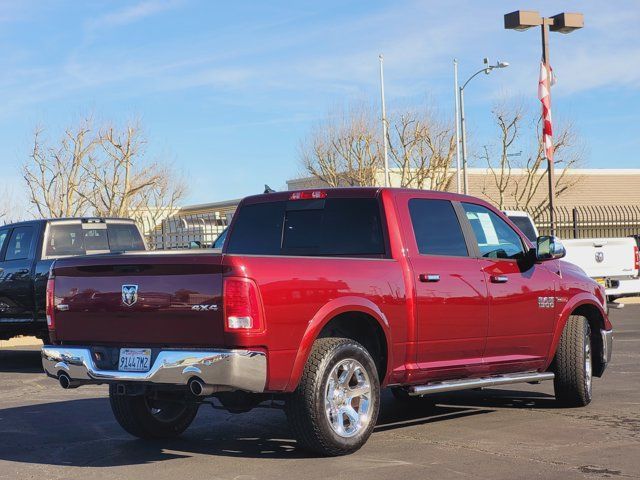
[544, 94]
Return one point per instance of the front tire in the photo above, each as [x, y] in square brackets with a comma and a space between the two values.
[574, 364]
[335, 407]
[144, 416]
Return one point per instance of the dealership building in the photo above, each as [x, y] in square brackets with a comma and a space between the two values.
[602, 190]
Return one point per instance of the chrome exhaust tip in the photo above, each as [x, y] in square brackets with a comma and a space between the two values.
[200, 389]
[66, 382]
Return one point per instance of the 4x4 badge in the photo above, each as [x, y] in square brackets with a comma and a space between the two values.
[129, 294]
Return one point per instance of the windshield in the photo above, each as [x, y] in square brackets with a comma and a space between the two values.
[71, 239]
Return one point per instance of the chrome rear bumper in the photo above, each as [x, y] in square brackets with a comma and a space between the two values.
[237, 369]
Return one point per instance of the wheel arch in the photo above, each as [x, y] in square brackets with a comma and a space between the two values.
[351, 317]
[590, 308]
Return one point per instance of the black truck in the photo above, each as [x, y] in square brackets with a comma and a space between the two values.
[27, 250]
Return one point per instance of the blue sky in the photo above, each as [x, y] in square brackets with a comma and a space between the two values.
[226, 90]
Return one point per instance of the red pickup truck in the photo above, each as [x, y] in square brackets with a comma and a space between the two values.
[320, 298]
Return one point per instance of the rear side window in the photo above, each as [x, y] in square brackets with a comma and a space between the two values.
[19, 244]
[436, 228]
[331, 227]
[67, 239]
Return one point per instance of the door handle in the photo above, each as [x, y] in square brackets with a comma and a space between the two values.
[22, 271]
[499, 279]
[429, 277]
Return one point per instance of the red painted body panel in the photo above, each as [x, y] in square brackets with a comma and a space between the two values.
[464, 325]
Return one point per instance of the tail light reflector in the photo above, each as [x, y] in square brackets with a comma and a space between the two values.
[636, 258]
[242, 305]
[50, 305]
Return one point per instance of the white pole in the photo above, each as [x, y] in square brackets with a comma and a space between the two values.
[463, 131]
[457, 101]
[384, 125]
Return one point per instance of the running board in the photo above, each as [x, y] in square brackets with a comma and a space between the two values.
[467, 383]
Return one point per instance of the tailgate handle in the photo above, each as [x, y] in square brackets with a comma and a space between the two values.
[499, 279]
[429, 277]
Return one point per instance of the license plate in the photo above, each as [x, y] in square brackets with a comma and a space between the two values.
[602, 281]
[135, 360]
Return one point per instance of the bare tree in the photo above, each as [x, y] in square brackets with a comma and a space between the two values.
[344, 150]
[422, 148]
[518, 176]
[103, 173]
[56, 176]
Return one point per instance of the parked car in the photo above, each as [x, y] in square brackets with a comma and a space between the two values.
[612, 262]
[27, 250]
[320, 298]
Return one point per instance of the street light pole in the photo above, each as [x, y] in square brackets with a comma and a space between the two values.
[463, 131]
[384, 125]
[463, 124]
[457, 101]
[563, 23]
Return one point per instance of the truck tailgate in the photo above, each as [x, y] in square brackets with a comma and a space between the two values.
[603, 257]
[145, 299]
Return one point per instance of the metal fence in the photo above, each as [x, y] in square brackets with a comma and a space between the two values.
[179, 231]
[589, 221]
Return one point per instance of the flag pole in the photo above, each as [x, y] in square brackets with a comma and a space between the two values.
[550, 162]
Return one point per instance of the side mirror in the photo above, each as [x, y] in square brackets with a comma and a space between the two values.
[195, 244]
[549, 248]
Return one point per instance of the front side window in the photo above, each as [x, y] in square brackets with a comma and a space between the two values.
[19, 244]
[495, 238]
[436, 228]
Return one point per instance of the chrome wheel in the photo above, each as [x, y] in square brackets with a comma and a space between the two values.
[348, 398]
[588, 362]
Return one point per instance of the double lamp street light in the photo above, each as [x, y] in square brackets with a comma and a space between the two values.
[519, 20]
[563, 23]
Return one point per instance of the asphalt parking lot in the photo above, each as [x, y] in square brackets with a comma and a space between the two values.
[514, 433]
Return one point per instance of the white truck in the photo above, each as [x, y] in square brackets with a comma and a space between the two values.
[612, 262]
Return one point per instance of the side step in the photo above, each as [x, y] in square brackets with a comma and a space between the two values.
[467, 383]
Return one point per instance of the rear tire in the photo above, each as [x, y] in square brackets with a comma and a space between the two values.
[573, 364]
[335, 407]
[145, 417]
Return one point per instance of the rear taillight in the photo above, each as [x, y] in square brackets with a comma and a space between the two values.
[636, 258]
[242, 305]
[50, 309]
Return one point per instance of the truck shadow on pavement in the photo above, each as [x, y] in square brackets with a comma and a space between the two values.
[24, 360]
[82, 432]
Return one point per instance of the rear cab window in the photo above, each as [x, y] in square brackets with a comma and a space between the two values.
[77, 238]
[349, 227]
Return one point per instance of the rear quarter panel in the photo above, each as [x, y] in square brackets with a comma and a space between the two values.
[302, 294]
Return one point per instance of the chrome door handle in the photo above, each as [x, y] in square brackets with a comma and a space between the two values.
[499, 279]
[429, 277]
